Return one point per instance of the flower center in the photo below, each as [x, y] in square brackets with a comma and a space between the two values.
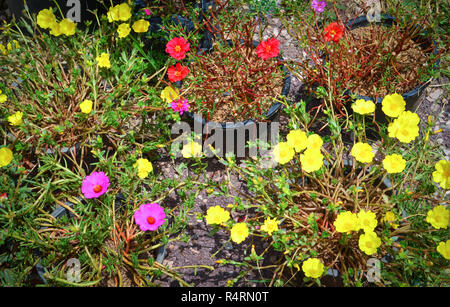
[268, 48]
[179, 105]
[97, 188]
[333, 33]
[178, 73]
[177, 48]
[151, 220]
[447, 173]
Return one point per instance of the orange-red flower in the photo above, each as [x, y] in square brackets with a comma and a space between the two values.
[177, 47]
[177, 73]
[333, 31]
[268, 49]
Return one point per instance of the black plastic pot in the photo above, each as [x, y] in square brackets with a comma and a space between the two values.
[76, 10]
[69, 153]
[61, 211]
[412, 97]
[252, 129]
[157, 22]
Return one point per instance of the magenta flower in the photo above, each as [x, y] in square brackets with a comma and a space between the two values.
[95, 185]
[149, 216]
[318, 6]
[180, 105]
[147, 12]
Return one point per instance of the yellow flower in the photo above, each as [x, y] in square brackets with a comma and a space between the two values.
[297, 139]
[239, 232]
[405, 128]
[314, 142]
[369, 242]
[362, 152]
[123, 30]
[16, 118]
[363, 107]
[283, 153]
[346, 222]
[103, 60]
[3, 49]
[393, 105]
[389, 217]
[217, 215]
[119, 12]
[141, 26]
[442, 174]
[367, 220]
[45, 18]
[270, 225]
[113, 13]
[16, 43]
[394, 163]
[6, 156]
[313, 268]
[86, 106]
[438, 217]
[144, 167]
[55, 30]
[169, 94]
[3, 97]
[444, 249]
[311, 160]
[191, 149]
[124, 12]
[67, 27]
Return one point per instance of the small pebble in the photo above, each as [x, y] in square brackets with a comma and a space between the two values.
[435, 94]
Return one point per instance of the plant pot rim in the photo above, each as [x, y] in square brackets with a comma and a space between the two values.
[388, 19]
[270, 114]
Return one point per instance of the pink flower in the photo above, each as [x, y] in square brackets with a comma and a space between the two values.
[95, 185]
[318, 6]
[147, 12]
[268, 49]
[177, 47]
[180, 105]
[149, 216]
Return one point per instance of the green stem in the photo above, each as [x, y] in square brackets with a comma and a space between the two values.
[75, 284]
[138, 46]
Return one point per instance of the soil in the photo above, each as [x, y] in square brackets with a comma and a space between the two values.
[230, 107]
[404, 74]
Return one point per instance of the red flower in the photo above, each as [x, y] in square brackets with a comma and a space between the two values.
[333, 31]
[177, 47]
[177, 73]
[268, 49]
